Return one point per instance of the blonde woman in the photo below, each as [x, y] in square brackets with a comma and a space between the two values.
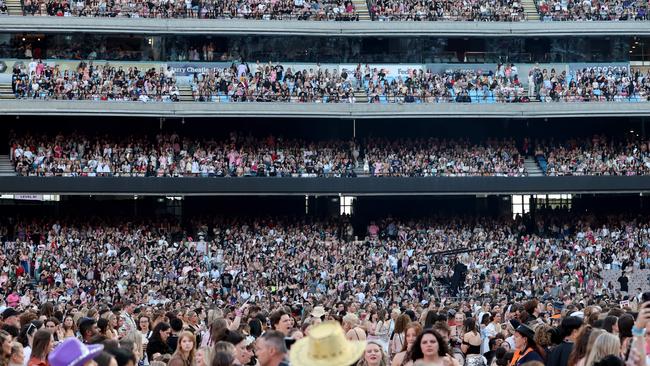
[203, 356]
[17, 354]
[135, 337]
[353, 331]
[184, 355]
[605, 345]
[374, 355]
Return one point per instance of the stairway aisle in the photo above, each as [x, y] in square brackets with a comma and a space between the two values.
[361, 96]
[530, 9]
[185, 93]
[6, 92]
[361, 6]
[6, 167]
[533, 168]
[14, 7]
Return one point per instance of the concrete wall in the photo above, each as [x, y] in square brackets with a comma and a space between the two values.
[353, 29]
[313, 110]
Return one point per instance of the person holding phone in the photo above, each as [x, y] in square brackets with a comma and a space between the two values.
[637, 355]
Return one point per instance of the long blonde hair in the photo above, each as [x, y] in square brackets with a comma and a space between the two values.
[384, 357]
[135, 337]
[606, 344]
[178, 352]
[207, 355]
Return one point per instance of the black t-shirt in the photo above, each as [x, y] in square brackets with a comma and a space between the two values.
[559, 356]
[623, 281]
[226, 280]
[172, 342]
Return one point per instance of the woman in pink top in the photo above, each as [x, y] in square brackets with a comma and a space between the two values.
[40, 67]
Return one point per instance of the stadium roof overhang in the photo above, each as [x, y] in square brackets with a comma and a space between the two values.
[315, 110]
[323, 186]
[351, 29]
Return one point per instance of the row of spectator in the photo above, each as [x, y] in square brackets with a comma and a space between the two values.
[595, 156]
[93, 82]
[172, 155]
[202, 9]
[237, 156]
[448, 10]
[342, 10]
[258, 82]
[596, 10]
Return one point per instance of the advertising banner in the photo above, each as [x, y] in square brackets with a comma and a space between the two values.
[606, 67]
[189, 68]
[391, 70]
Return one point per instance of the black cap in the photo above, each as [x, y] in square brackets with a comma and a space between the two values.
[515, 323]
[526, 331]
[9, 312]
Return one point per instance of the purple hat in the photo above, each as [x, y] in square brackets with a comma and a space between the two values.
[73, 353]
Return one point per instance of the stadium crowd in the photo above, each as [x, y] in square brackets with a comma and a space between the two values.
[594, 156]
[531, 289]
[241, 155]
[260, 82]
[474, 10]
[271, 83]
[202, 9]
[38, 80]
[246, 156]
[600, 10]
[501, 85]
[589, 84]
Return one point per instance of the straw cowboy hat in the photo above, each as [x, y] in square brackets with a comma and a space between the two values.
[326, 346]
[318, 312]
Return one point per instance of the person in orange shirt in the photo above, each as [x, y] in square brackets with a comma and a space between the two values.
[525, 347]
[41, 347]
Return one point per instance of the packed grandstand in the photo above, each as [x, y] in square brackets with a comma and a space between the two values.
[276, 83]
[324, 183]
[383, 10]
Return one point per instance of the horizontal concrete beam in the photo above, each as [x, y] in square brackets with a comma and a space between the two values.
[313, 28]
[340, 111]
[322, 186]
